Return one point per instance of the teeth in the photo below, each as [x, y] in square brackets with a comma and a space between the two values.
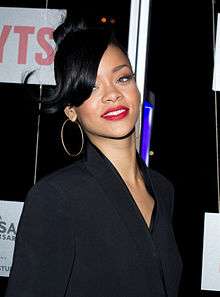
[116, 112]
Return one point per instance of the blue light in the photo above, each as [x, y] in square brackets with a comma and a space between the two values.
[146, 130]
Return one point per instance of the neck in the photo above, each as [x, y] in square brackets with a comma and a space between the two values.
[122, 154]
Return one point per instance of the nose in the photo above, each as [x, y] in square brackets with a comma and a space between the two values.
[111, 94]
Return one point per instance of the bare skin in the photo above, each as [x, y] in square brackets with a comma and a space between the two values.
[115, 86]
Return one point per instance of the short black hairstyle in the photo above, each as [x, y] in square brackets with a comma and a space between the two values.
[79, 49]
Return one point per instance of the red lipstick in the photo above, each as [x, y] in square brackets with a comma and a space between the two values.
[115, 113]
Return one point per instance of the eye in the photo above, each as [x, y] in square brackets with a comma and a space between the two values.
[126, 78]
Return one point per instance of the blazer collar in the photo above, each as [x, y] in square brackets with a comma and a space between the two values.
[100, 166]
[117, 192]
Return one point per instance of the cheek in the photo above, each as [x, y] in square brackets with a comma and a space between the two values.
[86, 113]
[135, 102]
[133, 97]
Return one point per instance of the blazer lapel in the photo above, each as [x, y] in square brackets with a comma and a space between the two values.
[117, 192]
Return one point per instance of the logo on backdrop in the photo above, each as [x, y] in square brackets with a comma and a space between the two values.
[10, 213]
[7, 230]
[45, 56]
[26, 43]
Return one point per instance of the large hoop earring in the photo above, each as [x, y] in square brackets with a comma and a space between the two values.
[62, 138]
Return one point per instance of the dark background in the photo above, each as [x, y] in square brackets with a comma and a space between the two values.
[179, 72]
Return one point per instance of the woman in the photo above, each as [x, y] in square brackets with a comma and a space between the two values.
[102, 226]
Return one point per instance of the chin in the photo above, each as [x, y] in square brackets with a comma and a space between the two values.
[122, 135]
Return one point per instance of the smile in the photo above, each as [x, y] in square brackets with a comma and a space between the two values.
[114, 114]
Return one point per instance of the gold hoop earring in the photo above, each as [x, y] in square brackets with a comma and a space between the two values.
[62, 138]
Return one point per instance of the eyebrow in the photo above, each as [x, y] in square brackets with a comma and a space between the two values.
[117, 68]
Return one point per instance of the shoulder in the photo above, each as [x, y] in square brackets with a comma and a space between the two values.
[54, 190]
[74, 174]
[160, 181]
[164, 190]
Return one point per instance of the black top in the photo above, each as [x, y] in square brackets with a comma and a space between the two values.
[82, 235]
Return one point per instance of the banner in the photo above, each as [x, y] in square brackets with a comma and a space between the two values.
[216, 74]
[10, 213]
[211, 253]
[26, 44]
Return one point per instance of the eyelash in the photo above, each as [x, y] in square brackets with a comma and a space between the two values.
[127, 77]
[120, 80]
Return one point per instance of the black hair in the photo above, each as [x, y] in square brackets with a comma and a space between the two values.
[79, 49]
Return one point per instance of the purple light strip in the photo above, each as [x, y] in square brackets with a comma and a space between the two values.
[146, 131]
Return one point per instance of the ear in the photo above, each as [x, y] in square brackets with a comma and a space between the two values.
[70, 112]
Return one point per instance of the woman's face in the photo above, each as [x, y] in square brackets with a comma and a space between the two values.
[112, 109]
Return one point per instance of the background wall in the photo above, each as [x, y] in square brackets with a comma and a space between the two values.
[180, 73]
[183, 138]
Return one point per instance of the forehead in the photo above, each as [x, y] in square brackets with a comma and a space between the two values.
[112, 57]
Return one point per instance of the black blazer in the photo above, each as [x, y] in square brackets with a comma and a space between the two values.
[82, 235]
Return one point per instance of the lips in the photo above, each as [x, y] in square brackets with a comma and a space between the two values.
[115, 113]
